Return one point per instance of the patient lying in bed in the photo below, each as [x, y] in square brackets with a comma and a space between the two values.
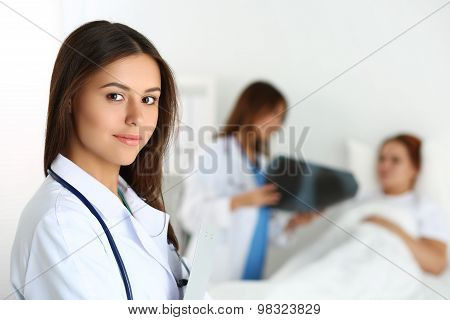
[378, 248]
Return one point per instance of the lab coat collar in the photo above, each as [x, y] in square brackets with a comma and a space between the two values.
[147, 221]
[107, 203]
[235, 146]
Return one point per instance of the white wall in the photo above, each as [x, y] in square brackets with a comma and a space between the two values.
[298, 45]
[27, 57]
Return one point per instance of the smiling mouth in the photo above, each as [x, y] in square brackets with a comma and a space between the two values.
[130, 140]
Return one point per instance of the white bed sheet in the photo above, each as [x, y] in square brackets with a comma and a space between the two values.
[434, 287]
[440, 286]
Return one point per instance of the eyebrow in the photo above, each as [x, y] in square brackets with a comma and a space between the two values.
[121, 86]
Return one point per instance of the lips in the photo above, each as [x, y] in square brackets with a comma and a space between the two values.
[129, 139]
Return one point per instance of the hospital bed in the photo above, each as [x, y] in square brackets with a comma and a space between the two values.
[436, 287]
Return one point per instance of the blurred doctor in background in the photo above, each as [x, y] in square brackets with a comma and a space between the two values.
[229, 188]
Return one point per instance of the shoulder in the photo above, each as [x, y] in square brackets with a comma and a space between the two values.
[53, 213]
[53, 201]
[434, 222]
[53, 229]
[41, 207]
[428, 206]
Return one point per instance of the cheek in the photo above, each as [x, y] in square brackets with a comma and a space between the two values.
[96, 119]
[409, 172]
[379, 168]
[150, 121]
[388, 171]
[402, 172]
[383, 167]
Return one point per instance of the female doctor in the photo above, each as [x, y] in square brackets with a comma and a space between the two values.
[95, 229]
[228, 188]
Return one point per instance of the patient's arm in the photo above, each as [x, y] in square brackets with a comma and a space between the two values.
[430, 254]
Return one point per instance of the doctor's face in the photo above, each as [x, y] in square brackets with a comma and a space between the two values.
[269, 122]
[116, 111]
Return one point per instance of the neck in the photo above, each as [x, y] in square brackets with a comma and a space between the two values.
[395, 191]
[105, 172]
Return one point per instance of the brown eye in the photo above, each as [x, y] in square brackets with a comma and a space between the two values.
[149, 100]
[114, 96]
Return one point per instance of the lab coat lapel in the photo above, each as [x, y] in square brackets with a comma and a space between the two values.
[243, 174]
[150, 245]
[148, 222]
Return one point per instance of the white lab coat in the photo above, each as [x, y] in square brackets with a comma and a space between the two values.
[61, 252]
[221, 171]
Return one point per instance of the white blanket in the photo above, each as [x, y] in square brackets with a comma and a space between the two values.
[356, 260]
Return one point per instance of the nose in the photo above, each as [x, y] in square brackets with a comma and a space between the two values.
[385, 166]
[134, 113]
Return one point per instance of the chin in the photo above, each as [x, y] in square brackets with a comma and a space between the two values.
[126, 158]
[386, 185]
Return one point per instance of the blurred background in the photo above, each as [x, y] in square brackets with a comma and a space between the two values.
[350, 69]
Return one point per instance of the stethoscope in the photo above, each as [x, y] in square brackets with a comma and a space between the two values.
[123, 272]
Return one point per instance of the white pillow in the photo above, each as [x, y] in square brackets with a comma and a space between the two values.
[361, 161]
[433, 180]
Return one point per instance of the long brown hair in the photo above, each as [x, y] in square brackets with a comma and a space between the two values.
[257, 98]
[85, 51]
